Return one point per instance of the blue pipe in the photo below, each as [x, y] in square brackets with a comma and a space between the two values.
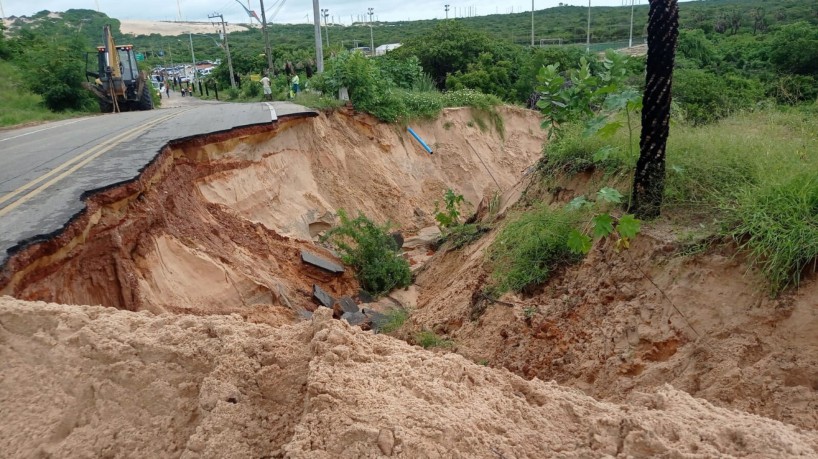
[422, 143]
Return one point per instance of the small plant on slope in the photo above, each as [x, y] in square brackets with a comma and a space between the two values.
[450, 216]
[602, 224]
[428, 339]
[371, 252]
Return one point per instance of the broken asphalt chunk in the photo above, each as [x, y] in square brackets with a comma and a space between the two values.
[324, 298]
[347, 304]
[378, 320]
[355, 318]
[323, 263]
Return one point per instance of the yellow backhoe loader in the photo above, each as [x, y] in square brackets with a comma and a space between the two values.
[118, 83]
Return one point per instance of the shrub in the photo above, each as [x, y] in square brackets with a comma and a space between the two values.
[706, 97]
[251, 90]
[530, 247]
[371, 252]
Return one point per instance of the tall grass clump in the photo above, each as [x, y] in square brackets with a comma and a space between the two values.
[778, 224]
[530, 247]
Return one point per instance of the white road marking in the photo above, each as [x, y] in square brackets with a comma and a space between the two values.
[43, 129]
[272, 111]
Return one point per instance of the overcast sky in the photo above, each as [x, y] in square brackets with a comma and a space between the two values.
[293, 11]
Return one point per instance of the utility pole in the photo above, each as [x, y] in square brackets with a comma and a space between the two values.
[319, 49]
[532, 23]
[226, 47]
[325, 13]
[447, 11]
[588, 40]
[267, 50]
[193, 56]
[371, 37]
[179, 9]
[630, 39]
[2, 13]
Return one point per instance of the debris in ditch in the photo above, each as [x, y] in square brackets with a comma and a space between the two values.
[426, 238]
[364, 297]
[324, 298]
[347, 304]
[377, 319]
[356, 318]
[315, 260]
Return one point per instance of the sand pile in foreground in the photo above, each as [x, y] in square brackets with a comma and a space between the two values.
[91, 381]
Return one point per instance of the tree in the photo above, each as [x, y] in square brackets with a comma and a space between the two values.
[649, 179]
[448, 48]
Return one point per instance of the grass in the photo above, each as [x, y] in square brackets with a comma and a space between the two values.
[530, 247]
[751, 174]
[395, 318]
[427, 339]
[778, 225]
[316, 101]
[21, 106]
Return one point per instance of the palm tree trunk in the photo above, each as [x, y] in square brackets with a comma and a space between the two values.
[649, 180]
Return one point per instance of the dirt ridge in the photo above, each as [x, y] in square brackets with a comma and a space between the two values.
[92, 381]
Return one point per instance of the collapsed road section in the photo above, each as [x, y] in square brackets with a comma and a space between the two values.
[216, 224]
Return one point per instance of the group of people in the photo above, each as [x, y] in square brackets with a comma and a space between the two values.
[186, 88]
[294, 86]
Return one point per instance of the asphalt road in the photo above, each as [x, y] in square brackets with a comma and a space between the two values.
[46, 169]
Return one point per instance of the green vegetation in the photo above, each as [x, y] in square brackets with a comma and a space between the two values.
[19, 104]
[750, 176]
[530, 247]
[393, 90]
[395, 318]
[371, 252]
[428, 339]
[450, 216]
[602, 224]
[778, 224]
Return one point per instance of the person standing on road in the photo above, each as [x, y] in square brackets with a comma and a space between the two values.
[167, 89]
[295, 84]
[268, 92]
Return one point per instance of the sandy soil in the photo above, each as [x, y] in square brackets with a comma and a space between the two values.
[604, 327]
[204, 352]
[172, 28]
[89, 381]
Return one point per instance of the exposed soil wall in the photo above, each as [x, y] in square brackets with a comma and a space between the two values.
[215, 225]
[604, 327]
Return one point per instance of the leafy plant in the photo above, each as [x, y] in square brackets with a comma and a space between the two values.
[371, 252]
[578, 94]
[450, 216]
[463, 235]
[602, 224]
